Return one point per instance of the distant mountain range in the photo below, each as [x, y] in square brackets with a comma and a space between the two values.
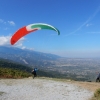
[28, 57]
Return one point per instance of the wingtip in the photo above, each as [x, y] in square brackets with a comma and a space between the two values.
[12, 42]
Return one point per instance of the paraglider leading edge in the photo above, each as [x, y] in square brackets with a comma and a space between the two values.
[31, 28]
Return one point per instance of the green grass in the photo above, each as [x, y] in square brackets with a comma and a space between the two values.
[96, 95]
[13, 73]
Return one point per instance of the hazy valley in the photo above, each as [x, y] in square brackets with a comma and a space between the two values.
[84, 69]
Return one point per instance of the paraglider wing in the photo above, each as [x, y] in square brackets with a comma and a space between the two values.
[31, 28]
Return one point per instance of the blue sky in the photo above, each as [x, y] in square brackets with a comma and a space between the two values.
[77, 20]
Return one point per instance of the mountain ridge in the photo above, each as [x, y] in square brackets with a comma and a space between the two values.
[26, 56]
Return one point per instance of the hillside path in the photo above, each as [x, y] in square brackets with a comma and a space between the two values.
[41, 89]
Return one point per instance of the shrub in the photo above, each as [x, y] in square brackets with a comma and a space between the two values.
[96, 95]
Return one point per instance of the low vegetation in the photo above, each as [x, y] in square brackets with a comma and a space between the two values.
[9, 69]
[96, 95]
[13, 73]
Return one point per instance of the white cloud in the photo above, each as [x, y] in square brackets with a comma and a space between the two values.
[11, 23]
[31, 49]
[2, 21]
[23, 47]
[4, 40]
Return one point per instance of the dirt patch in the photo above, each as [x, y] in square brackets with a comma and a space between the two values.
[92, 86]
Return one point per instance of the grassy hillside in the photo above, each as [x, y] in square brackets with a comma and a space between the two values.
[9, 69]
[13, 73]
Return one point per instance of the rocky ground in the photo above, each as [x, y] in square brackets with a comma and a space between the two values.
[44, 89]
